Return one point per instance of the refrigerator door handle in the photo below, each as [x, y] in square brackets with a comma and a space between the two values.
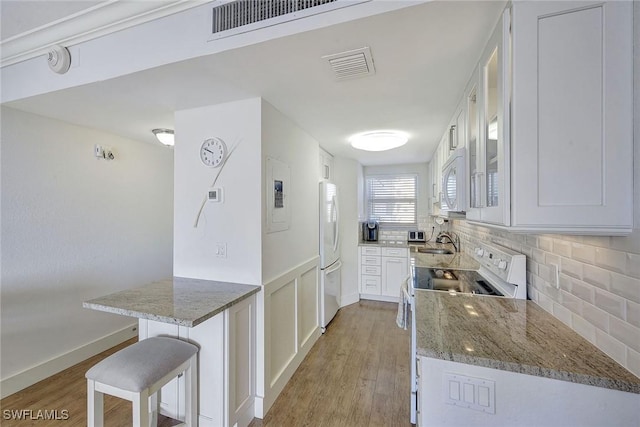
[336, 233]
[335, 267]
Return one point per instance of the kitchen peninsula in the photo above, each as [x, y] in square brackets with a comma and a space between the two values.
[486, 361]
[219, 317]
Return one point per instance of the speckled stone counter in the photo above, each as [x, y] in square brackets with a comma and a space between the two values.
[180, 301]
[456, 261]
[512, 335]
[385, 244]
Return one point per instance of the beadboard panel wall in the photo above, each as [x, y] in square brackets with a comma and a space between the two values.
[598, 292]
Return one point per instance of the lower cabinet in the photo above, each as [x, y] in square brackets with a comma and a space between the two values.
[381, 270]
[226, 366]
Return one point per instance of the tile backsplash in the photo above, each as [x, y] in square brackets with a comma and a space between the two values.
[394, 235]
[599, 287]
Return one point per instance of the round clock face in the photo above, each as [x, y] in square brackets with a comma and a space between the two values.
[213, 152]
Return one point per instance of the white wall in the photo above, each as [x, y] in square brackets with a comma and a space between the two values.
[286, 142]
[74, 228]
[237, 221]
[346, 176]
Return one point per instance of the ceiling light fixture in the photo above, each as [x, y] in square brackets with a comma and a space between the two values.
[379, 140]
[165, 136]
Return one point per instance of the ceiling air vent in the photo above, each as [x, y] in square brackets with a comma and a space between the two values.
[240, 16]
[351, 64]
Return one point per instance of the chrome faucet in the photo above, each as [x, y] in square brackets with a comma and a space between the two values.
[455, 240]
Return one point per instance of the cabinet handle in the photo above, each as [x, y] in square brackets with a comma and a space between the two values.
[453, 144]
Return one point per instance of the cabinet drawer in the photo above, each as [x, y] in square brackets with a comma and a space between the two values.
[371, 260]
[370, 250]
[371, 270]
[371, 285]
[394, 252]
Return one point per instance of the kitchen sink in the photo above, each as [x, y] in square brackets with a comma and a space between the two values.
[436, 251]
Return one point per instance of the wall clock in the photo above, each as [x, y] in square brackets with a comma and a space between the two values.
[213, 152]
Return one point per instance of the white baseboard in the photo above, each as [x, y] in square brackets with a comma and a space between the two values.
[379, 298]
[346, 300]
[30, 376]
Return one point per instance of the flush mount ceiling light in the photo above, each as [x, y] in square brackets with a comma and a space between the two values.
[379, 140]
[165, 136]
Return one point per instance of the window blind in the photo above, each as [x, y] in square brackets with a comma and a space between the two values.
[391, 199]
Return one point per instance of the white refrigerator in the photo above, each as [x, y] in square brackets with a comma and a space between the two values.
[330, 264]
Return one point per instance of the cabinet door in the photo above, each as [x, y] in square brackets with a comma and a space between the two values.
[473, 148]
[572, 109]
[494, 126]
[394, 271]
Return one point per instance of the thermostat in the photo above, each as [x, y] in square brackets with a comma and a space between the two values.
[214, 195]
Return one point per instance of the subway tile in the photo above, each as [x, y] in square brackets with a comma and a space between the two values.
[596, 276]
[611, 346]
[633, 313]
[630, 243]
[566, 283]
[562, 248]
[532, 241]
[624, 332]
[532, 266]
[610, 303]
[571, 302]
[538, 256]
[600, 241]
[571, 267]
[551, 259]
[633, 265]
[584, 328]
[596, 317]
[633, 362]
[626, 287]
[545, 243]
[562, 313]
[527, 251]
[544, 271]
[582, 290]
[584, 253]
[611, 260]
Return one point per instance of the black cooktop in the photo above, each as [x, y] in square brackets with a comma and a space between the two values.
[467, 282]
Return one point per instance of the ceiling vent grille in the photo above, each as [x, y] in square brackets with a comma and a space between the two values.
[351, 64]
[241, 16]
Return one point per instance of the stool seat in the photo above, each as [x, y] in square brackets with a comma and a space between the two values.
[137, 373]
[142, 364]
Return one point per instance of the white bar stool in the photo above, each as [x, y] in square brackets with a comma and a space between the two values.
[137, 372]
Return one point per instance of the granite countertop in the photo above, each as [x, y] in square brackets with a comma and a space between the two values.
[179, 301]
[385, 243]
[512, 335]
[456, 261]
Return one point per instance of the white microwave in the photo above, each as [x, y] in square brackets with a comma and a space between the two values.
[454, 195]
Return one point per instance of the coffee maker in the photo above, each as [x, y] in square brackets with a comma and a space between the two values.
[370, 231]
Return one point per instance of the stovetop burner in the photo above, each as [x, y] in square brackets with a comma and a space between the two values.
[466, 282]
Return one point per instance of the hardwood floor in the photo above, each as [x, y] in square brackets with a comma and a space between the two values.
[357, 374]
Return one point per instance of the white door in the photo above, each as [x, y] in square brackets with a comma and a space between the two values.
[330, 293]
[329, 224]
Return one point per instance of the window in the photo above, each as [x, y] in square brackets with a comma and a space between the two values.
[391, 199]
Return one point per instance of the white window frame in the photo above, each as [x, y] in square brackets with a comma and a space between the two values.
[412, 200]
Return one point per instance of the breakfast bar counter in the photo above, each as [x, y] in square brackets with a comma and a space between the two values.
[179, 301]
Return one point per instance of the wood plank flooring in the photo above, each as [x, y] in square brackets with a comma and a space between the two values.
[357, 374]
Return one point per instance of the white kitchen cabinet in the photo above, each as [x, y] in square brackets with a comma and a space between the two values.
[489, 161]
[381, 270]
[473, 144]
[226, 365]
[572, 144]
[326, 166]
[395, 268]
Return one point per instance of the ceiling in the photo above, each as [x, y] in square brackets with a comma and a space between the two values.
[423, 55]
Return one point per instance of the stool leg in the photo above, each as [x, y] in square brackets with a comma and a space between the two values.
[191, 393]
[153, 409]
[140, 405]
[95, 406]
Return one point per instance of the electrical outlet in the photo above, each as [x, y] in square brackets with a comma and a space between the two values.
[98, 151]
[221, 250]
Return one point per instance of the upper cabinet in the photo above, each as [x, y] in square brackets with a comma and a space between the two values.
[326, 166]
[572, 106]
[488, 104]
[549, 120]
